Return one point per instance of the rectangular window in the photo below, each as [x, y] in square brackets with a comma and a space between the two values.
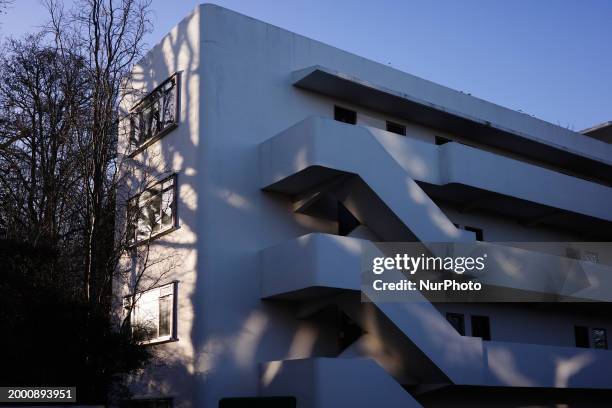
[396, 128]
[572, 253]
[442, 140]
[155, 114]
[345, 115]
[457, 321]
[165, 315]
[481, 327]
[591, 257]
[581, 333]
[477, 231]
[152, 317]
[600, 339]
[152, 212]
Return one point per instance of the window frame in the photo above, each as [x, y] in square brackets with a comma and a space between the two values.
[172, 336]
[398, 126]
[142, 104]
[582, 336]
[590, 256]
[483, 318]
[605, 338]
[341, 109]
[573, 253]
[133, 242]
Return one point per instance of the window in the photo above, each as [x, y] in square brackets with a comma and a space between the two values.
[152, 212]
[457, 321]
[155, 114]
[481, 328]
[442, 140]
[581, 333]
[152, 317]
[572, 253]
[396, 128]
[345, 115]
[600, 339]
[477, 231]
[590, 256]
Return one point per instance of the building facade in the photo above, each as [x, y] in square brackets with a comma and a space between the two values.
[260, 164]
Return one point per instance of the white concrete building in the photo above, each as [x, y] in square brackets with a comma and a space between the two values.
[279, 159]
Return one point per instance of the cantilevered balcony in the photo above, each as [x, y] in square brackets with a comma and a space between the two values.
[421, 101]
[298, 158]
[318, 265]
[331, 263]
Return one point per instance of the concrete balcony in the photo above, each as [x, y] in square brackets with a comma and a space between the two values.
[420, 101]
[331, 263]
[453, 165]
[334, 382]
[317, 151]
[310, 266]
[455, 172]
[320, 264]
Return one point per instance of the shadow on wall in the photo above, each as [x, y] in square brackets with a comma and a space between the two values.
[184, 369]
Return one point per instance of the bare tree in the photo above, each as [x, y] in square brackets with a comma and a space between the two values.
[60, 188]
[4, 5]
[41, 105]
[108, 34]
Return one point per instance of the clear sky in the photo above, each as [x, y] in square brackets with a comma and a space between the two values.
[548, 58]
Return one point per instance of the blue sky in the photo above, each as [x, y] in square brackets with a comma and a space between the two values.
[548, 58]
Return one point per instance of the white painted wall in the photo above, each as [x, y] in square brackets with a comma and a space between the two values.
[237, 93]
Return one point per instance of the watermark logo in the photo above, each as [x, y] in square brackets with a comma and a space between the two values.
[411, 264]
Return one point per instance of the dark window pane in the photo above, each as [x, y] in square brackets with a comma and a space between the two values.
[165, 315]
[572, 253]
[167, 204]
[155, 113]
[477, 231]
[581, 333]
[396, 128]
[144, 330]
[591, 257]
[457, 321]
[600, 339]
[345, 115]
[134, 133]
[132, 219]
[151, 212]
[169, 105]
[480, 327]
